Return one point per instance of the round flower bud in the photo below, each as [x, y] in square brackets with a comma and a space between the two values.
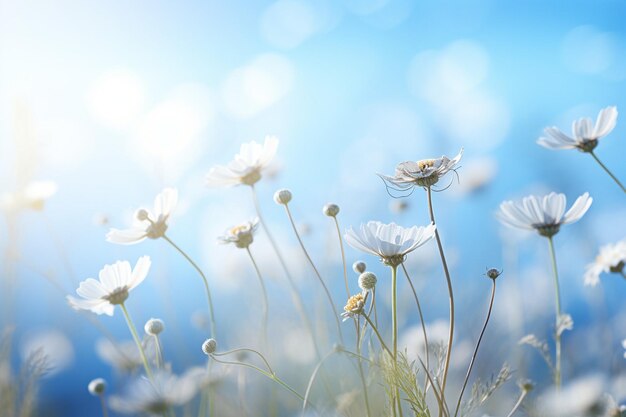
[282, 196]
[331, 210]
[526, 385]
[359, 267]
[141, 215]
[209, 346]
[154, 326]
[97, 386]
[367, 281]
[493, 273]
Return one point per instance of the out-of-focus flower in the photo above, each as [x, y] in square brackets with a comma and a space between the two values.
[33, 196]
[585, 134]
[247, 166]
[543, 214]
[241, 235]
[354, 306]
[123, 356]
[611, 258]
[424, 173]
[52, 345]
[115, 282]
[575, 399]
[359, 267]
[330, 210]
[155, 396]
[390, 242]
[148, 224]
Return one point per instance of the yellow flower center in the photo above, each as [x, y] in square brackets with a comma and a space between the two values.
[238, 229]
[425, 163]
[355, 303]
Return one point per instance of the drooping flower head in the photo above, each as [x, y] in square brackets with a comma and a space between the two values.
[390, 242]
[354, 306]
[423, 173]
[611, 258]
[113, 287]
[148, 224]
[247, 166]
[156, 396]
[585, 134]
[544, 214]
[241, 235]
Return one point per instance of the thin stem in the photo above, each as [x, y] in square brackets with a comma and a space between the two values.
[105, 412]
[259, 354]
[608, 171]
[450, 293]
[380, 339]
[133, 331]
[204, 279]
[317, 273]
[159, 354]
[480, 338]
[557, 369]
[343, 256]
[432, 383]
[394, 312]
[419, 310]
[265, 298]
[309, 386]
[360, 363]
[518, 403]
[271, 376]
[295, 295]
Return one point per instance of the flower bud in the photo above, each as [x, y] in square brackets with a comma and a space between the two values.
[154, 326]
[331, 210]
[209, 346]
[359, 267]
[97, 386]
[141, 215]
[367, 281]
[282, 196]
[493, 273]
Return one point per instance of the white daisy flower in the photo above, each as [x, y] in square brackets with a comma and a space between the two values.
[422, 173]
[148, 224]
[156, 396]
[585, 134]
[247, 166]
[33, 196]
[241, 235]
[544, 214]
[390, 242]
[611, 258]
[115, 282]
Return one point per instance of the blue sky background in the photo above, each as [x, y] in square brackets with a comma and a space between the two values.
[123, 99]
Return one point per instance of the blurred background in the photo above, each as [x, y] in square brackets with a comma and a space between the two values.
[113, 101]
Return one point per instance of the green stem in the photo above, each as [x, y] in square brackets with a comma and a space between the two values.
[380, 339]
[265, 298]
[361, 373]
[256, 352]
[608, 171]
[557, 369]
[159, 356]
[309, 386]
[419, 310]
[295, 295]
[450, 293]
[204, 279]
[133, 331]
[105, 412]
[317, 273]
[343, 256]
[480, 338]
[518, 403]
[394, 325]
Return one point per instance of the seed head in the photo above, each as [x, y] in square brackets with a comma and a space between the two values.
[97, 386]
[282, 196]
[154, 326]
[331, 210]
[209, 346]
[367, 281]
[493, 273]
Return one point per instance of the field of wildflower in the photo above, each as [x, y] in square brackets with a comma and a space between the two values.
[312, 208]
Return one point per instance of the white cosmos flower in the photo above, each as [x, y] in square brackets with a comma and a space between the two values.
[115, 282]
[246, 167]
[585, 134]
[151, 224]
[544, 214]
[155, 396]
[241, 235]
[33, 196]
[390, 242]
[611, 258]
[423, 173]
